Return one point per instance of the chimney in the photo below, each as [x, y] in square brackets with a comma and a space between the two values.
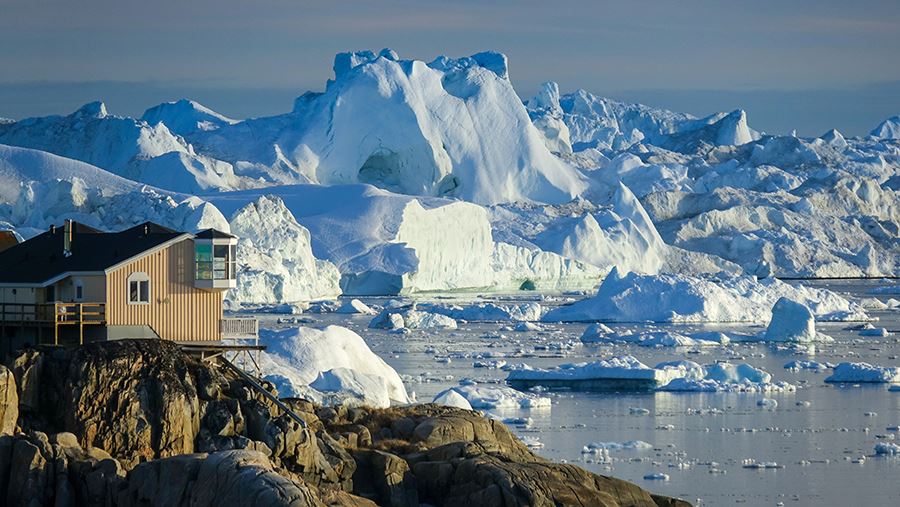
[68, 237]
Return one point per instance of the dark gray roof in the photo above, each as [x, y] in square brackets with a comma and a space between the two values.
[41, 258]
[213, 234]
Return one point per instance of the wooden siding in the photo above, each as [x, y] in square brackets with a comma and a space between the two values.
[177, 310]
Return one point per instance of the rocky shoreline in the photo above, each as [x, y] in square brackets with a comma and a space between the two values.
[139, 422]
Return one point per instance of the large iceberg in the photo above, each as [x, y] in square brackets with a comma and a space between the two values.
[452, 127]
[679, 298]
[127, 147]
[387, 243]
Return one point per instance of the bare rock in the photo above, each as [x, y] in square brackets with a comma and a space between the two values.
[223, 479]
[9, 402]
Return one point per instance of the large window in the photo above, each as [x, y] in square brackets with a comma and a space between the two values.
[138, 289]
[214, 262]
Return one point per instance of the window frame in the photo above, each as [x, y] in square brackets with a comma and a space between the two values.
[78, 289]
[139, 278]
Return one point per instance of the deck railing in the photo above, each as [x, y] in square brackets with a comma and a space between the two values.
[53, 313]
[239, 328]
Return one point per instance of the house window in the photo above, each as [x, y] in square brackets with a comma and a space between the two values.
[79, 290]
[51, 294]
[138, 289]
[214, 262]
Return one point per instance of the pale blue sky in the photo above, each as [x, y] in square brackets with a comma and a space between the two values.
[794, 64]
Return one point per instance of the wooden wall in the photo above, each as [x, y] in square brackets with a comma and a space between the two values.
[177, 310]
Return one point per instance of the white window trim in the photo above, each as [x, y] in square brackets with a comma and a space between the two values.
[138, 276]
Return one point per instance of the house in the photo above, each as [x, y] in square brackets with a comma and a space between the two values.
[73, 284]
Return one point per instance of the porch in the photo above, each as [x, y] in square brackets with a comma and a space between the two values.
[51, 319]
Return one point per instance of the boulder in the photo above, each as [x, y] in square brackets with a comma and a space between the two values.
[9, 402]
[223, 479]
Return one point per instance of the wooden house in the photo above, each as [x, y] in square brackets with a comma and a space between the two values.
[73, 284]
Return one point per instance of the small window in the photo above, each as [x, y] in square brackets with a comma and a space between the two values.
[51, 294]
[79, 290]
[138, 289]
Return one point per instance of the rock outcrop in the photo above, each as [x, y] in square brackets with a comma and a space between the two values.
[140, 423]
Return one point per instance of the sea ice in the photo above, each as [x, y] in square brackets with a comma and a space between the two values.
[632, 297]
[497, 397]
[864, 372]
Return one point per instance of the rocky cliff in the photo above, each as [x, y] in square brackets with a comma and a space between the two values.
[141, 423]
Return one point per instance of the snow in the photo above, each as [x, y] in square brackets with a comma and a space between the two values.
[496, 397]
[333, 359]
[864, 372]
[632, 297]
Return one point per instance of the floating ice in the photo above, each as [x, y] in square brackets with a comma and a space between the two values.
[411, 318]
[497, 397]
[864, 372]
[767, 403]
[629, 445]
[355, 306]
[806, 365]
[631, 297]
[334, 359]
[452, 398]
[791, 322]
[658, 476]
[887, 449]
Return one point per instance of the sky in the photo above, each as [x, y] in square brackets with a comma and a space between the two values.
[809, 66]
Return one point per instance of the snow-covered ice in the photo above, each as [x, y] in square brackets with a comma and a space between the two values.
[632, 297]
[333, 359]
[489, 397]
[848, 372]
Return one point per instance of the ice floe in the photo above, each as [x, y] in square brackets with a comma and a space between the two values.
[864, 373]
[496, 397]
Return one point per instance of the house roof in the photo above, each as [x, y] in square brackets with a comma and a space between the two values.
[8, 239]
[41, 258]
[213, 234]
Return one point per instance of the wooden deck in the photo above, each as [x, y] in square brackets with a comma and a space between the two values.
[52, 317]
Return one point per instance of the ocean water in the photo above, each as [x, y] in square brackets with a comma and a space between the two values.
[822, 436]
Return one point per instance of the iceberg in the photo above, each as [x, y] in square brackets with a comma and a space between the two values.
[452, 127]
[616, 373]
[333, 359]
[495, 397]
[863, 373]
[633, 297]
